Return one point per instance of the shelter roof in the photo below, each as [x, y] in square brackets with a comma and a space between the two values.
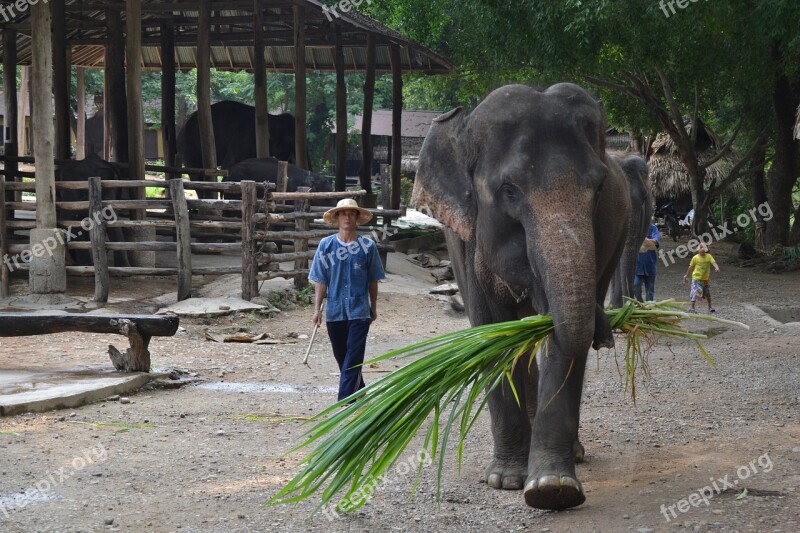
[232, 35]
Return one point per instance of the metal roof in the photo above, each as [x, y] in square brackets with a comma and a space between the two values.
[232, 36]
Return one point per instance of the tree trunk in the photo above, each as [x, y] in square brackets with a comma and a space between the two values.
[783, 175]
[758, 194]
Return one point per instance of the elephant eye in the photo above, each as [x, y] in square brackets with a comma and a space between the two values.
[509, 191]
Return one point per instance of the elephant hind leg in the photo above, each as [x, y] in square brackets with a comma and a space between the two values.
[554, 492]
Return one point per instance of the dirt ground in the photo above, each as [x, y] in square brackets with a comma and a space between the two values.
[206, 456]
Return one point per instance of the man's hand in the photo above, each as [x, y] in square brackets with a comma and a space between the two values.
[373, 315]
[316, 318]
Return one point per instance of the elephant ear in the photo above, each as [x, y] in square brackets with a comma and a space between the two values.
[442, 186]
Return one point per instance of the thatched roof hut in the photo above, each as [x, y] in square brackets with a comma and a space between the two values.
[668, 176]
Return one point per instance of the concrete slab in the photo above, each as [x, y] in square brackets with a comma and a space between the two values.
[35, 390]
[198, 307]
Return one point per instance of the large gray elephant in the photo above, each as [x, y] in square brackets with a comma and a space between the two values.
[265, 169]
[82, 170]
[536, 215]
[636, 171]
[235, 135]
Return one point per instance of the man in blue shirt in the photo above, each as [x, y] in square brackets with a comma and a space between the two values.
[646, 265]
[346, 268]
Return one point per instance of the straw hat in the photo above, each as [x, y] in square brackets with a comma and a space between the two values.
[330, 215]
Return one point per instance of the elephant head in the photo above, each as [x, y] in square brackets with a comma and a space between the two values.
[525, 179]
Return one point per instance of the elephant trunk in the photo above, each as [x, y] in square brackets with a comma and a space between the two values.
[562, 248]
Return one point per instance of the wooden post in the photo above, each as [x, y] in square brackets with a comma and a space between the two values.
[61, 80]
[301, 145]
[10, 120]
[184, 238]
[341, 115]
[397, 117]
[260, 83]
[135, 113]
[249, 260]
[3, 238]
[47, 272]
[22, 103]
[366, 123]
[168, 96]
[301, 245]
[282, 180]
[98, 237]
[207, 144]
[80, 134]
[116, 100]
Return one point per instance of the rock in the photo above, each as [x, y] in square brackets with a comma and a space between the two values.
[224, 307]
[108, 521]
[219, 432]
[73, 415]
[114, 398]
[124, 399]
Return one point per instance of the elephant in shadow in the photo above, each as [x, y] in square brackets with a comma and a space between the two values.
[82, 170]
[536, 216]
[235, 135]
[636, 172]
[265, 169]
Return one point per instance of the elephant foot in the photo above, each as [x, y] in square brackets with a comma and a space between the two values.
[554, 492]
[507, 475]
[603, 336]
[579, 451]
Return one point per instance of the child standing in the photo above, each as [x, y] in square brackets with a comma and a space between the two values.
[700, 269]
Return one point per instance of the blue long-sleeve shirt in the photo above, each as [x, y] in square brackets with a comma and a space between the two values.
[646, 264]
[346, 269]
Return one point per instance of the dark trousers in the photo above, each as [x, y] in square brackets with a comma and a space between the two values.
[349, 341]
[649, 287]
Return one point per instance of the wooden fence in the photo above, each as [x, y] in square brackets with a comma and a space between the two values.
[257, 235]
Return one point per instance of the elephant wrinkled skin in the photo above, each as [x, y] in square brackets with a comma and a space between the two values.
[536, 216]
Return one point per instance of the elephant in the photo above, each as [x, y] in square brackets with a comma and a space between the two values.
[266, 169]
[82, 170]
[535, 215]
[235, 135]
[636, 172]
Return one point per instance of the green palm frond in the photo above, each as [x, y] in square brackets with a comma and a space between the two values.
[356, 440]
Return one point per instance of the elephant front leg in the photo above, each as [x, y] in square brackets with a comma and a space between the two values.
[552, 482]
[511, 430]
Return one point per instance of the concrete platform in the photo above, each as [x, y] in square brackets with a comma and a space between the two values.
[36, 390]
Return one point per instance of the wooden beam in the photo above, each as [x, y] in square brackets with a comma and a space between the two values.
[168, 96]
[44, 133]
[260, 83]
[80, 133]
[341, 115]
[183, 237]
[365, 175]
[61, 80]
[10, 120]
[301, 145]
[397, 117]
[207, 144]
[135, 112]
[22, 105]
[98, 238]
[116, 100]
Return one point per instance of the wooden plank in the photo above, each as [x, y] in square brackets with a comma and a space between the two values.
[301, 142]
[22, 101]
[289, 256]
[365, 174]
[98, 238]
[10, 119]
[25, 324]
[116, 99]
[183, 237]
[249, 264]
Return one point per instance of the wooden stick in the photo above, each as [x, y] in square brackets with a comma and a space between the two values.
[313, 335]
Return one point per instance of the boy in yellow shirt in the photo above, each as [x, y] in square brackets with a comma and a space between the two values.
[700, 269]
